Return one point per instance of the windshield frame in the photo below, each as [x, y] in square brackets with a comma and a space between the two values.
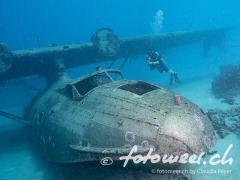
[74, 83]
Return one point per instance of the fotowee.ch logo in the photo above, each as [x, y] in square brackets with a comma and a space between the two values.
[183, 159]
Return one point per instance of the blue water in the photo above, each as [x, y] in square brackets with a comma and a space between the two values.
[74, 21]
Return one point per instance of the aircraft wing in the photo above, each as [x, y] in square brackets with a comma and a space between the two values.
[37, 61]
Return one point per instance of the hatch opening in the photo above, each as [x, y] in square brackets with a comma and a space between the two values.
[139, 87]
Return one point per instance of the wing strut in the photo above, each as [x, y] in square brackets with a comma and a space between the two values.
[13, 117]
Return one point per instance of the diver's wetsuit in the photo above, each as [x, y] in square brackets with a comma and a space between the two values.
[159, 64]
[154, 60]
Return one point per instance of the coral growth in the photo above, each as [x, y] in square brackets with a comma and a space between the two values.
[6, 58]
[129, 136]
[227, 84]
[145, 144]
[177, 101]
[198, 122]
[207, 142]
[225, 122]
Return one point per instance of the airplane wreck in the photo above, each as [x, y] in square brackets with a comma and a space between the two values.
[71, 120]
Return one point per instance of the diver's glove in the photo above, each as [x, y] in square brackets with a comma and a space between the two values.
[175, 76]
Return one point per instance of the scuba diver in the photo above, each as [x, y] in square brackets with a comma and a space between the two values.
[154, 60]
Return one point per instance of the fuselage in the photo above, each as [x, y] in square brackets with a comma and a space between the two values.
[73, 124]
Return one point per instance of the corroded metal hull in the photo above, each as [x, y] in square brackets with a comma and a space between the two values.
[110, 119]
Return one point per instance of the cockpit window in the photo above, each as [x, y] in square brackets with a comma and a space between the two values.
[86, 85]
[81, 87]
[139, 87]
